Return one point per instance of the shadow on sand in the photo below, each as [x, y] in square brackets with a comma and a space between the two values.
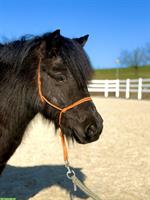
[25, 182]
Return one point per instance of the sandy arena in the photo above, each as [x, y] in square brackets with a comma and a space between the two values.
[117, 167]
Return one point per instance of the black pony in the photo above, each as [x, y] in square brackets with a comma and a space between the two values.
[65, 70]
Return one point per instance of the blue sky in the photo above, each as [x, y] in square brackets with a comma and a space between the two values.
[113, 25]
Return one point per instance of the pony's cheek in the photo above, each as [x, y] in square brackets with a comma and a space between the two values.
[55, 100]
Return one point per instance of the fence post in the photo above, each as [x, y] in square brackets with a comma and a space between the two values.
[140, 88]
[127, 88]
[106, 88]
[117, 88]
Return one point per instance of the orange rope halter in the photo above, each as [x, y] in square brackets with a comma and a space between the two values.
[62, 110]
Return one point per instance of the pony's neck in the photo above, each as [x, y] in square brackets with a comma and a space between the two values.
[15, 115]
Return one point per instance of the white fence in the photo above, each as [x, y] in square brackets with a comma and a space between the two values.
[117, 86]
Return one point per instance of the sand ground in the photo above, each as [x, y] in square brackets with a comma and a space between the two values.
[116, 167]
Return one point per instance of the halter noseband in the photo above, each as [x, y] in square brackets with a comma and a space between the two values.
[62, 110]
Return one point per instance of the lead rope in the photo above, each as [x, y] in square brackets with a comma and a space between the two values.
[70, 172]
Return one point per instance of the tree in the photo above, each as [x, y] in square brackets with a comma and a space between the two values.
[147, 53]
[135, 58]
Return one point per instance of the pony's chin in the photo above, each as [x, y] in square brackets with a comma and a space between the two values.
[83, 140]
[79, 139]
[72, 134]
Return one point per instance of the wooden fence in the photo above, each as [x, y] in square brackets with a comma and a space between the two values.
[138, 86]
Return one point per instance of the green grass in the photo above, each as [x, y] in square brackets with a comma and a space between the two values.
[124, 73]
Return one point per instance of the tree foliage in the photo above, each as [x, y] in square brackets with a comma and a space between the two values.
[139, 56]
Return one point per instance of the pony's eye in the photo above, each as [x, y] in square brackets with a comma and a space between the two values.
[61, 78]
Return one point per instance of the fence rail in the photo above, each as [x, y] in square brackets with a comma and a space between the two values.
[117, 86]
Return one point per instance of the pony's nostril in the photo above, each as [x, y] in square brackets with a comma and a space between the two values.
[91, 130]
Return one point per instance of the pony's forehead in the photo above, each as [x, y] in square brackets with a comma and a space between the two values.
[57, 60]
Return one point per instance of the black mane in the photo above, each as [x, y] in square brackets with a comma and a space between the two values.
[15, 52]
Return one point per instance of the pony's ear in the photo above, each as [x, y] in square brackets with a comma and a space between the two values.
[50, 44]
[55, 34]
[55, 39]
[82, 40]
[53, 43]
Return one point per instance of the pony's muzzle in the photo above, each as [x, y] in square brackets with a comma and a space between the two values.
[93, 130]
[88, 132]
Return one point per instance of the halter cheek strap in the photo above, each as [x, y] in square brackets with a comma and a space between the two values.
[62, 110]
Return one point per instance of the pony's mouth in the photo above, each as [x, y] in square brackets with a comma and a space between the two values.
[78, 138]
[83, 139]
